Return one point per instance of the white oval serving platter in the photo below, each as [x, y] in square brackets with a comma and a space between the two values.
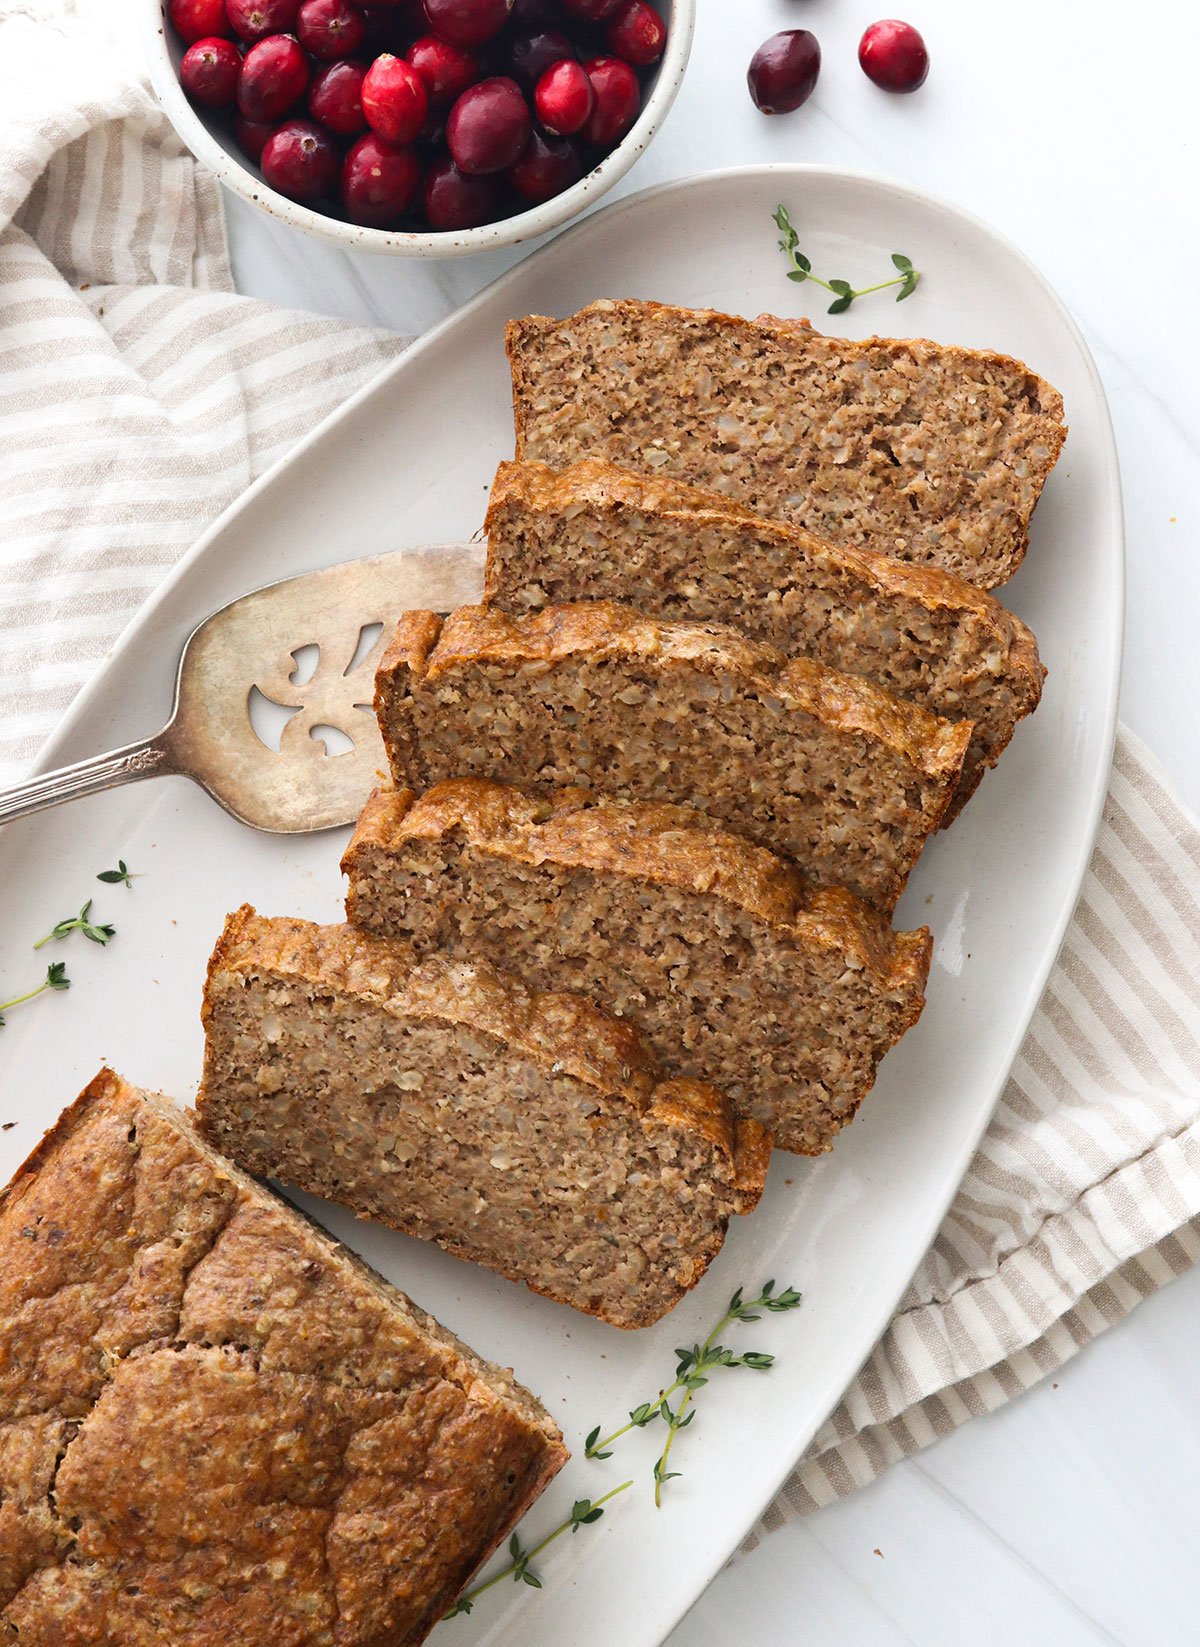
[409, 461]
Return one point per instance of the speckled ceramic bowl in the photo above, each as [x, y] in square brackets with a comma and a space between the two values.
[211, 142]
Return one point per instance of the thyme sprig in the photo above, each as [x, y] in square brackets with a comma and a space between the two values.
[583, 1512]
[99, 934]
[120, 876]
[691, 1374]
[843, 293]
[56, 978]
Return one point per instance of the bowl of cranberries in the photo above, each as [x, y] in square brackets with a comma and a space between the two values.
[429, 128]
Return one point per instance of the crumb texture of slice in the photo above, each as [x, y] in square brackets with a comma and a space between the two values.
[783, 995]
[523, 1129]
[216, 1425]
[596, 532]
[924, 451]
[826, 768]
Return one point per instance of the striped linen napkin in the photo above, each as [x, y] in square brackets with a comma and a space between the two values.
[139, 395]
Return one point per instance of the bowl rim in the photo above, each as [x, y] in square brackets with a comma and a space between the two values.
[510, 231]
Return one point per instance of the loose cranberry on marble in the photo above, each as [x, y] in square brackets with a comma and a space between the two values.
[636, 34]
[195, 20]
[467, 22]
[618, 100]
[300, 159]
[530, 55]
[380, 181]
[548, 166]
[784, 70]
[335, 97]
[209, 72]
[894, 56]
[252, 136]
[455, 200]
[563, 100]
[488, 127]
[329, 29]
[273, 79]
[394, 99]
[446, 70]
[589, 11]
[253, 20]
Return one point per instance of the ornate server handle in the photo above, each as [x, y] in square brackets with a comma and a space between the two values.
[151, 758]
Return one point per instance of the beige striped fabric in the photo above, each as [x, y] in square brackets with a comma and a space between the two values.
[138, 395]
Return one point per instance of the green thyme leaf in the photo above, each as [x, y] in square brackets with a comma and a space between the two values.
[118, 876]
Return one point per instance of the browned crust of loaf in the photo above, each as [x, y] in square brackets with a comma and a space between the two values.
[107, 1093]
[847, 704]
[559, 1032]
[1053, 428]
[672, 846]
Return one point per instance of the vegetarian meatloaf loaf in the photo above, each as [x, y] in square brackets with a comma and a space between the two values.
[926, 452]
[733, 967]
[827, 768]
[595, 532]
[216, 1425]
[529, 1132]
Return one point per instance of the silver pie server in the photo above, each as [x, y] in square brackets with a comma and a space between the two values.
[252, 655]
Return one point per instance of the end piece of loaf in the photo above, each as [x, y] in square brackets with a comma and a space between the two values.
[737, 971]
[596, 532]
[923, 451]
[218, 1426]
[826, 768]
[526, 1131]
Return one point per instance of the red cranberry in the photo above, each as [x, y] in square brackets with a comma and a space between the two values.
[300, 159]
[893, 55]
[784, 70]
[618, 99]
[564, 99]
[467, 22]
[330, 29]
[548, 166]
[636, 34]
[209, 72]
[488, 127]
[589, 11]
[335, 97]
[394, 99]
[455, 200]
[446, 70]
[256, 19]
[380, 181]
[530, 55]
[274, 78]
[195, 20]
[252, 136]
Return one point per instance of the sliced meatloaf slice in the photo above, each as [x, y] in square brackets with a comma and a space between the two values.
[735, 969]
[527, 1131]
[217, 1425]
[926, 452]
[596, 532]
[827, 768]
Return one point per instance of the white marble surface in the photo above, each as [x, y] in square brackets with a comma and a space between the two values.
[1071, 1517]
